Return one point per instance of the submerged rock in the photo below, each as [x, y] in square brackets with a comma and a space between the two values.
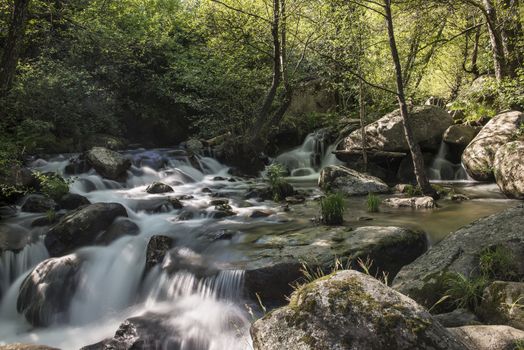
[121, 227]
[81, 227]
[350, 310]
[158, 188]
[157, 248]
[45, 294]
[107, 163]
[489, 337]
[73, 201]
[413, 202]
[502, 304]
[38, 203]
[350, 182]
[509, 169]
[422, 280]
[479, 156]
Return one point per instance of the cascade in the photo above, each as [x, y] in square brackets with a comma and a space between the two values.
[442, 169]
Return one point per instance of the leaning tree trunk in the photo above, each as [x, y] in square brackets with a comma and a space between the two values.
[496, 39]
[13, 44]
[513, 36]
[416, 154]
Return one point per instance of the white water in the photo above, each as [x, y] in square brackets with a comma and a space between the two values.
[444, 170]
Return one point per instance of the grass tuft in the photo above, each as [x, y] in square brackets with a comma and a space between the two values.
[332, 209]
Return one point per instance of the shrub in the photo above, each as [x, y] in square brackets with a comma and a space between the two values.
[373, 203]
[332, 209]
[497, 263]
[464, 292]
[279, 186]
[412, 191]
[52, 185]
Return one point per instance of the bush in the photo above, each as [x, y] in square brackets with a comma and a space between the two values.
[332, 209]
[373, 203]
[279, 186]
[413, 191]
[53, 185]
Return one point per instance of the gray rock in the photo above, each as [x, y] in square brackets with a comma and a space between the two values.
[158, 188]
[387, 133]
[460, 134]
[422, 280]
[81, 227]
[19, 346]
[351, 311]
[45, 294]
[479, 156]
[194, 147]
[413, 202]
[457, 318]
[509, 169]
[121, 227]
[107, 163]
[37, 203]
[261, 213]
[489, 337]
[350, 182]
[73, 201]
[502, 304]
[157, 249]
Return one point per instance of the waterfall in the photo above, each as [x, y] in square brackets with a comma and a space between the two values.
[442, 169]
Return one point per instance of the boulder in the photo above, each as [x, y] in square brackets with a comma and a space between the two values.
[460, 135]
[413, 202]
[353, 311]
[350, 182]
[121, 227]
[159, 187]
[479, 156]
[73, 201]
[489, 337]
[107, 163]
[459, 252]
[45, 294]
[274, 262]
[19, 346]
[508, 168]
[457, 318]
[387, 133]
[157, 249]
[194, 147]
[38, 203]
[502, 304]
[81, 227]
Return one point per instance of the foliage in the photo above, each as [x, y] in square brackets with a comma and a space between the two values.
[52, 185]
[332, 209]
[465, 292]
[373, 203]
[279, 186]
[413, 191]
[497, 263]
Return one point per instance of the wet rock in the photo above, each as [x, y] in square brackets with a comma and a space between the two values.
[413, 202]
[222, 235]
[220, 201]
[77, 165]
[460, 134]
[184, 197]
[154, 205]
[194, 147]
[219, 178]
[479, 156]
[220, 214]
[351, 310]
[457, 318]
[45, 294]
[489, 337]
[261, 213]
[422, 280]
[107, 163]
[157, 248]
[72, 201]
[387, 133]
[46, 220]
[349, 182]
[184, 259]
[186, 215]
[175, 203]
[293, 200]
[81, 227]
[19, 346]
[508, 167]
[158, 188]
[121, 227]
[502, 304]
[275, 261]
[37, 203]
[206, 190]
[457, 197]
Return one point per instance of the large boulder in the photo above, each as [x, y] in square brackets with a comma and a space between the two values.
[45, 294]
[38, 203]
[353, 311]
[489, 337]
[72, 201]
[509, 169]
[274, 262]
[502, 304]
[479, 156]
[460, 134]
[350, 182]
[107, 163]
[387, 133]
[81, 227]
[423, 280]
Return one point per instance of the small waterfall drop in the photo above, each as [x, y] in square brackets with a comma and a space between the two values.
[442, 169]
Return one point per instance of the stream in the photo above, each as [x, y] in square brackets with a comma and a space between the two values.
[204, 312]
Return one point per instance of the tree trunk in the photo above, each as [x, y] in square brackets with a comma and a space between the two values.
[13, 44]
[416, 154]
[496, 39]
[513, 36]
[362, 113]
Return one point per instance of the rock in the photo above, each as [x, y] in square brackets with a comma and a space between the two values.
[45, 220]
[81, 227]
[489, 337]
[184, 259]
[107, 163]
[77, 165]
[157, 248]
[45, 294]
[413, 202]
[206, 190]
[19, 346]
[295, 200]
[194, 147]
[220, 214]
[274, 262]
[502, 304]
[422, 280]
[121, 227]
[460, 134]
[37, 203]
[73, 201]
[457, 318]
[458, 197]
[219, 201]
[175, 202]
[159, 187]
[261, 213]
[479, 156]
[387, 133]
[104, 140]
[435, 101]
[185, 215]
[508, 168]
[350, 310]
[349, 182]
